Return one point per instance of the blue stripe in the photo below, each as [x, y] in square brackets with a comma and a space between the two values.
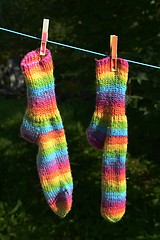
[54, 192]
[99, 128]
[114, 196]
[40, 90]
[117, 132]
[44, 96]
[41, 130]
[112, 88]
[112, 131]
[117, 159]
[53, 156]
[48, 165]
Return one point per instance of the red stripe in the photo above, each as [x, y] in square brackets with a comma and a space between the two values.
[50, 135]
[117, 140]
[111, 176]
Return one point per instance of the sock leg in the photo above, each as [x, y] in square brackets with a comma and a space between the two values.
[114, 178]
[115, 149]
[54, 171]
[42, 124]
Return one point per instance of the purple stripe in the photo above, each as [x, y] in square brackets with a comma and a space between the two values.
[48, 95]
[115, 171]
[66, 199]
[115, 165]
[111, 95]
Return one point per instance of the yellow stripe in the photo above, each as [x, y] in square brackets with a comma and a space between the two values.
[112, 147]
[114, 183]
[50, 142]
[61, 179]
[104, 73]
[119, 118]
[122, 74]
[114, 217]
[38, 74]
[49, 115]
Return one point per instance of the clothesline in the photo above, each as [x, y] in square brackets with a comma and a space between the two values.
[76, 48]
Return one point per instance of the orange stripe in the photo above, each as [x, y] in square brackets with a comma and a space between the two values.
[113, 212]
[112, 177]
[111, 110]
[49, 108]
[117, 140]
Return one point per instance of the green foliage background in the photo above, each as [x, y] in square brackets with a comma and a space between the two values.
[24, 213]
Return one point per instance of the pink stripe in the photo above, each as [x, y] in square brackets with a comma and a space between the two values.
[105, 103]
[41, 103]
[55, 167]
[113, 205]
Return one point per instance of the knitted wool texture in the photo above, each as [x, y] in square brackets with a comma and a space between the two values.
[42, 124]
[108, 131]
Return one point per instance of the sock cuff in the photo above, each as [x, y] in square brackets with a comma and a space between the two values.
[103, 66]
[108, 80]
[35, 67]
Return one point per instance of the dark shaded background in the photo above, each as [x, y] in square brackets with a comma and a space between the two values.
[24, 213]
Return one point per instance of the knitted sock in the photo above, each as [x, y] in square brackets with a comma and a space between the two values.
[112, 132]
[111, 88]
[42, 124]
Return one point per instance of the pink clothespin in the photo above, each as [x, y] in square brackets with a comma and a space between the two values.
[113, 52]
[44, 37]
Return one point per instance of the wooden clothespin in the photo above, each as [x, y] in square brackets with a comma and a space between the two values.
[113, 52]
[44, 37]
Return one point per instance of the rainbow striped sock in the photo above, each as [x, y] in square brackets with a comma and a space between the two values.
[42, 124]
[109, 131]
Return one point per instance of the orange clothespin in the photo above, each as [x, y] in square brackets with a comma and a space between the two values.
[44, 37]
[113, 51]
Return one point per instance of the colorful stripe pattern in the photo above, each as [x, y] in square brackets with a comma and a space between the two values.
[108, 131]
[42, 124]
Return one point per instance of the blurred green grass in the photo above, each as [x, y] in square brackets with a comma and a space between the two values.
[24, 213]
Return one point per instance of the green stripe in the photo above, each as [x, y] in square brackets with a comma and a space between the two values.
[108, 81]
[118, 125]
[104, 122]
[117, 189]
[41, 82]
[55, 147]
[114, 152]
[61, 184]
[45, 122]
